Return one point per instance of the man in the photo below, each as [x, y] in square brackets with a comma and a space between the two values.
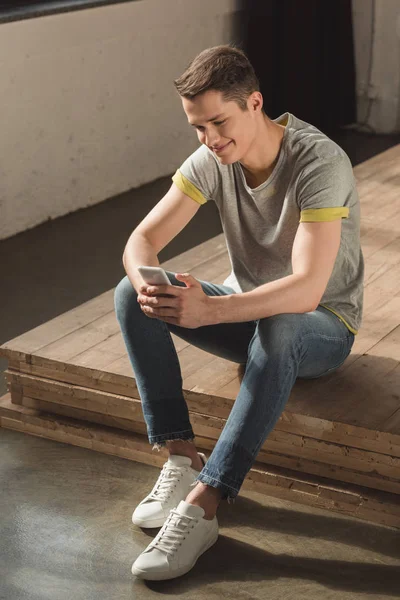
[290, 308]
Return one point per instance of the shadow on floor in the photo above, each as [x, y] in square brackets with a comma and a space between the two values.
[66, 533]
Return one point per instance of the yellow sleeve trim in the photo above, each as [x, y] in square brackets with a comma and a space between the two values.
[188, 188]
[355, 331]
[311, 215]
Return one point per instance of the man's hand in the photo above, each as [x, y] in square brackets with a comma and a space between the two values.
[184, 306]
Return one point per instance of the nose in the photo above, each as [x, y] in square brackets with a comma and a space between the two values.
[210, 137]
[213, 139]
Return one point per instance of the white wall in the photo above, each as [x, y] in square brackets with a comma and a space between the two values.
[378, 99]
[88, 105]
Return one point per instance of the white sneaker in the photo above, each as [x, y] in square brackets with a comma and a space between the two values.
[177, 546]
[172, 486]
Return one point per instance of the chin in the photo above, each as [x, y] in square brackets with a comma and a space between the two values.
[228, 159]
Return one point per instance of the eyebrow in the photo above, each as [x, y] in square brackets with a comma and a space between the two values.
[208, 120]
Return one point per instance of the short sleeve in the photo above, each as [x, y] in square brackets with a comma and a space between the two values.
[324, 190]
[198, 177]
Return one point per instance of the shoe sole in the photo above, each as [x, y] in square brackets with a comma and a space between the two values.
[182, 571]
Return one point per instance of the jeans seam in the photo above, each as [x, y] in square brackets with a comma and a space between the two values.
[324, 337]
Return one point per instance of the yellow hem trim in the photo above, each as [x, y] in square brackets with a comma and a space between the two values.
[355, 331]
[188, 188]
[311, 215]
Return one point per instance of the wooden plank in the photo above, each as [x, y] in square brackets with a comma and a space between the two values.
[312, 456]
[56, 328]
[75, 374]
[381, 292]
[78, 397]
[81, 414]
[366, 394]
[128, 408]
[376, 326]
[388, 204]
[111, 354]
[211, 376]
[393, 422]
[323, 429]
[60, 325]
[375, 237]
[68, 429]
[91, 344]
[191, 359]
[382, 261]
[217, 405]
[102, 353]
[214, 269]
[368, 339]
[72, 320]
[335, 474]
[384, 164]
[383, 507]
[196, 256]
[84, 338]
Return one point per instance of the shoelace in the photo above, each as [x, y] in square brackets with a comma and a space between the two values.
[162, 489]
[173, 532]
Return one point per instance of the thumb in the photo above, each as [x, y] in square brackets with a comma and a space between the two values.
[188, 279]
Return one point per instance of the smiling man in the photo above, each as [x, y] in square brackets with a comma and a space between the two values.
[290, 307]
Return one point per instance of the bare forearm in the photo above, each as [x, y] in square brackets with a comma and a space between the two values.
[291, 294]
[138, 251]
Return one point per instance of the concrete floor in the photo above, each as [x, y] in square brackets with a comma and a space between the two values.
[65, 512]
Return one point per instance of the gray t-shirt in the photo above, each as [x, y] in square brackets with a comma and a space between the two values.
[312, 181]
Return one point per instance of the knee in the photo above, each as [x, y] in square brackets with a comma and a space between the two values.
[125, 298]
[281, 332]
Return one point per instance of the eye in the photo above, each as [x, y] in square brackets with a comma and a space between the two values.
[219, 122]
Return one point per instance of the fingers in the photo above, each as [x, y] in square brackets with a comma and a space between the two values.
[156, 301]
[159, 313]
[157, 290]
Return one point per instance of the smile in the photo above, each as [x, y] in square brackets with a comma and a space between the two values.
[221, 148]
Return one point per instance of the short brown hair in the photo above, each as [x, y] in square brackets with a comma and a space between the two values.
[223, 68]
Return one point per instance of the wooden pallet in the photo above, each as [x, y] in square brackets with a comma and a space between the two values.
[348, 499]
[292, 450]
[345, 427]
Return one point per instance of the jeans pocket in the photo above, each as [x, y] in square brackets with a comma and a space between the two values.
[340, 355]
[346, 351]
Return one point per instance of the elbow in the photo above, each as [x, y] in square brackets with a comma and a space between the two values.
[312, 306]
[313, 302]
[125, 258]
[313, 292]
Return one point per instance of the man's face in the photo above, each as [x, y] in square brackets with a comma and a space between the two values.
[227, 130]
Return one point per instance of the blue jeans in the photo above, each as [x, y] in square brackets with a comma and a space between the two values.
[275, 351]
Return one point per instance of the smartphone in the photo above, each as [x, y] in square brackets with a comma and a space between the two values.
[154, 275]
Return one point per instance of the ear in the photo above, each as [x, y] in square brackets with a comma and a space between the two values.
[255, 102]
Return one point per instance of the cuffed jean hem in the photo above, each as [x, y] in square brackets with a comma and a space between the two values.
[228, 492]
[159, 441]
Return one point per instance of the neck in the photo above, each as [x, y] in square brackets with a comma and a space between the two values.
[261, 159]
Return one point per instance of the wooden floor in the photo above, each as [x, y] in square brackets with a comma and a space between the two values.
[337, 444]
